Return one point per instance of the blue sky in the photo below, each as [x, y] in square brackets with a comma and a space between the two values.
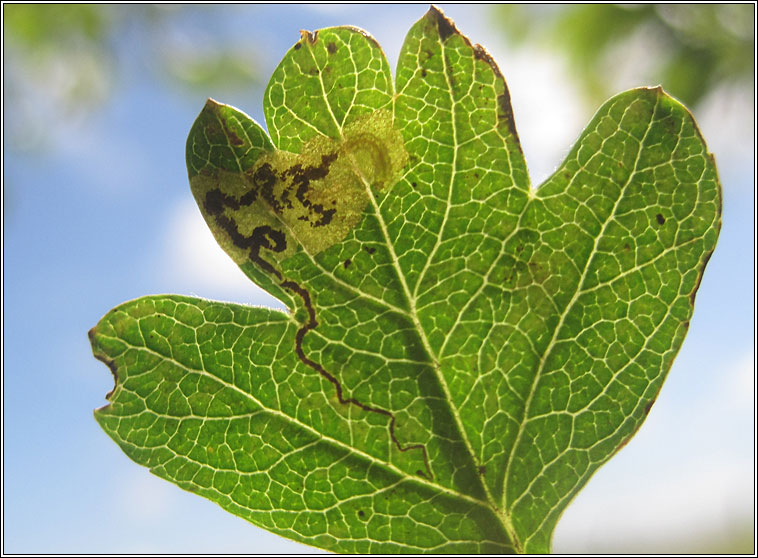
[104, 214]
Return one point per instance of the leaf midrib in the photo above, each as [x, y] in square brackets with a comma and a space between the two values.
[412, 312]
[411, 299]
[567, 309]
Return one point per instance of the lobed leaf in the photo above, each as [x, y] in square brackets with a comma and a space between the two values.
[461, 352]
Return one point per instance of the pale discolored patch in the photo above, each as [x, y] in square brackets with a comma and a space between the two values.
[309, 200]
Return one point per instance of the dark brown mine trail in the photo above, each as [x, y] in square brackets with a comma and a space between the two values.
[274, 240]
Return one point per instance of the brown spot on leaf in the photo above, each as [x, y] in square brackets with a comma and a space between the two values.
[482, 470]
[347, 263]
[480, 53]
[648, 407]
[700, 277]
[369, 249]
[660, 218]
[310, 36]
[212, 129]
[368, 36]
[444, 25]
[451, 75]
[505, 112]
[231, 135]
[331, 48]
[622, 443]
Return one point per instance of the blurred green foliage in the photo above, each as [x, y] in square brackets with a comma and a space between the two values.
[689, 49]
[64, 60]
[56, 58]
[42, 25]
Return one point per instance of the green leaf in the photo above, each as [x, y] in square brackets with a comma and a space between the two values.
[462, 352]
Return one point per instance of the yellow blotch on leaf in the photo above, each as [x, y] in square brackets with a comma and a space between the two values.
[313, 198]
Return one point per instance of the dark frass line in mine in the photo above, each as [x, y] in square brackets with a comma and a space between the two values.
[260, 236]
[271, 239]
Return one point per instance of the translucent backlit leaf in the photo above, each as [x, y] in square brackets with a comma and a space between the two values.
[461, 351]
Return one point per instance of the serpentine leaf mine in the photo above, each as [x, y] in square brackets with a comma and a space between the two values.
[461, 351]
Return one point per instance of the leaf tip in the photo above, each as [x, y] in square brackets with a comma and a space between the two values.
[310, 36]
[211, 104]
[445, 26]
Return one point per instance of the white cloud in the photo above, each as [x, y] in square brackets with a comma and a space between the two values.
[548, 113]
[653, 511]
[687, 475]
[547, 109]
[726, 119]
[195, 263]
[144, 498]
[740, 385]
